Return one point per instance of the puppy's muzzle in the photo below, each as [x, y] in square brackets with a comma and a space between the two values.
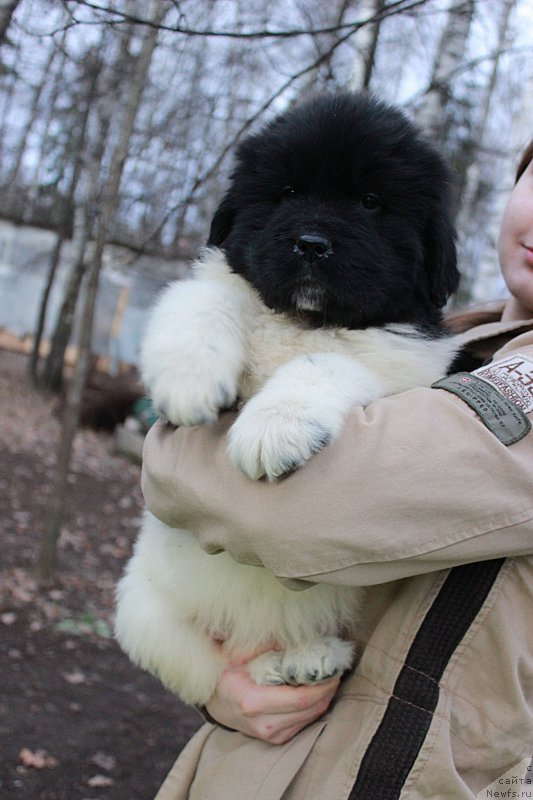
[313, 246]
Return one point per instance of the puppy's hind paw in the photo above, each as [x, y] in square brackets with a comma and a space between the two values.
[306, 665]
[318, 662]
[266, 669]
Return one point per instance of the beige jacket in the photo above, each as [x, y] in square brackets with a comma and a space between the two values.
[417, 485]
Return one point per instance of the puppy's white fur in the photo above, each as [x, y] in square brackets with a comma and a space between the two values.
[211, 340]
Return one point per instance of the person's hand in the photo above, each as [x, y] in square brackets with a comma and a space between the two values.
[272, 713]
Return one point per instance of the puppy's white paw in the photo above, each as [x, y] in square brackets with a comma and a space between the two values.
[319, 662]
[274, 440]
[266, 669]
[192, 355]
[297, 412]
[191, 396]
[306, 665]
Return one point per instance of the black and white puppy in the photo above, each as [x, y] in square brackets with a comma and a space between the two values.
[328, 263]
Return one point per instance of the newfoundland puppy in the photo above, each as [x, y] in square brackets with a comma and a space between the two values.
[321, 288]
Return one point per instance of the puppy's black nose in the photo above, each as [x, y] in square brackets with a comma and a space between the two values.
[313, 245]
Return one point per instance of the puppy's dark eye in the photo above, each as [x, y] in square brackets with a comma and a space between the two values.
[370, 201]
[287, 192]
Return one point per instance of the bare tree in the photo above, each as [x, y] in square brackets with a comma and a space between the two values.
[365, 43]
[476, 174]
[52, 376]
[31, 117]
[10, 73]
[7, 9]
[48, 545]
[433, 115]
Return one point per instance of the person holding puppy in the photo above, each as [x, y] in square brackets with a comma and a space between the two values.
[427, 500]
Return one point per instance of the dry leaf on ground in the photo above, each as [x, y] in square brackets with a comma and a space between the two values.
[38, 759]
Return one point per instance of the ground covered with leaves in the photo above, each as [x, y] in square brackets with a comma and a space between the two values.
[77, 720]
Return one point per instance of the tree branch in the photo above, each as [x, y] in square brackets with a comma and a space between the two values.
[399, 7]
[391, 9]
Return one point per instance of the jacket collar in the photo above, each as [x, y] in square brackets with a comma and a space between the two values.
[493, 330]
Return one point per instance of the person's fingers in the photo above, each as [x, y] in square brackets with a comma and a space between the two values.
[277, 699]
[280, 728]
[286, 699]
[272, 713]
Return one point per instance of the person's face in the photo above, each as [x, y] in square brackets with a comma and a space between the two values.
[515, 245]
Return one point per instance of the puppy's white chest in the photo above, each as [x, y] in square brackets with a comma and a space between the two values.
[399, 356]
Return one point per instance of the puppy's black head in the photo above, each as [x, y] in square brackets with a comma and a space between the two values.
[339, 211]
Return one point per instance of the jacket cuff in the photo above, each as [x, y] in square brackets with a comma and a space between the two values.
[202, 710]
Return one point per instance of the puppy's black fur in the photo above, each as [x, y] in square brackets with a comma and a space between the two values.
[338, 211]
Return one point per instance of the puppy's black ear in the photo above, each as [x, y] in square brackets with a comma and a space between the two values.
[441, 258]
[222, 222]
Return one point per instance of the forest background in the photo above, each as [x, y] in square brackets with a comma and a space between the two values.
[174, 85]
[118, 120]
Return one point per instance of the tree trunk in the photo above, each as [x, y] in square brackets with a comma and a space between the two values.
[52, 377]
[366, 42]
[33, 362]
[432, 116]
[50, 114]
[48, 545]
[32, 117]
[476, 177]
[7, 9]
[10, 84]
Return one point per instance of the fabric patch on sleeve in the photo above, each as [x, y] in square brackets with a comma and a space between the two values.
[513, 377]
[502, 416]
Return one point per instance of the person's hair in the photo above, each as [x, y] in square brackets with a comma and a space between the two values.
[527, 157]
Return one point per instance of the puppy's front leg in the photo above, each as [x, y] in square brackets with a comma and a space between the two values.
[193, 352]
[299, 410]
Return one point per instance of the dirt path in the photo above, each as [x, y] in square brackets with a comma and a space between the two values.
[77, 720]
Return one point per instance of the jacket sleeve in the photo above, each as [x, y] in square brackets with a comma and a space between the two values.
[416, 483]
